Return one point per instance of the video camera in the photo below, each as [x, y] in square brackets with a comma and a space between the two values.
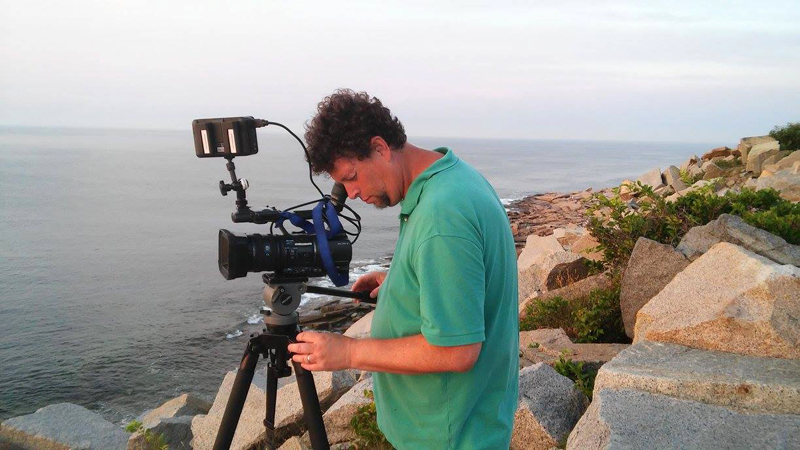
[322, 247]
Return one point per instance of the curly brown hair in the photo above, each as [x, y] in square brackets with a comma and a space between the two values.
[344, 125]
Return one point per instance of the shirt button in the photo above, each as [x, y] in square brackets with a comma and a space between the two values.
[405, 219]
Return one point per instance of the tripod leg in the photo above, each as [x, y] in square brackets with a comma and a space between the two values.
[272, 394]
[241, 385]
[311, 408]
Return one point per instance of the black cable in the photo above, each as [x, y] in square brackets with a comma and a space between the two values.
[355, 221]
[305, 150]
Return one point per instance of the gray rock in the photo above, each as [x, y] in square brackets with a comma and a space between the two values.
[693, 160]
[769, 385]
[288, 411]
[547, 345]
[710, 184]
[783, 163]
[561, 269]
[628, 419]
[63, 426]
[671, 175]
[711, 171]
[758, 154]
[731, 300]
[184, 405]
[544, 338]
[786, 181]
[663, 191]
[549, 406]
[650, 267]
[536, 247]
[745, 144]
[731, 228]
[176, 432]
[652, 178]
[551, 271]
[695, 171]
[580, 288]
[775, 158]
[295, 443]
[586, 246]
[362, 327]
[337, 417]
[529, 263]
[673, 178]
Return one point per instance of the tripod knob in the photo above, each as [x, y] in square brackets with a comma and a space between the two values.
[224, 188]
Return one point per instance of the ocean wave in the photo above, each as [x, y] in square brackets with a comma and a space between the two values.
[235, 334]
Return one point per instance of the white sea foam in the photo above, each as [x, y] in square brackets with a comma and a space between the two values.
[369, 268]
[509, 200]
[255, 319]
[235, 334]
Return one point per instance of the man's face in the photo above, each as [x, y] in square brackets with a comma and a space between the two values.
[367, 179]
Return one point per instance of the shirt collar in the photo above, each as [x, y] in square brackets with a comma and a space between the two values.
[415, 189]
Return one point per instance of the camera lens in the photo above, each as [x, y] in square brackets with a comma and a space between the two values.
[286, 255]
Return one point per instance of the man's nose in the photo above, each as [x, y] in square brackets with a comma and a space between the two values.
[352, 193]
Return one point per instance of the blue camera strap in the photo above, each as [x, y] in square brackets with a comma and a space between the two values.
[318, 227]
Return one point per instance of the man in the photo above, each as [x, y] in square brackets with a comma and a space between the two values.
[444, 346]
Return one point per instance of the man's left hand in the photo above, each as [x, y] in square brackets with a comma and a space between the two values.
[322, 351]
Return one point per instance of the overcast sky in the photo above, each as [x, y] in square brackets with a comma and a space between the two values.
[624, 70]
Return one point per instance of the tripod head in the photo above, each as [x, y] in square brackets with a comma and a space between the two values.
[282, 297]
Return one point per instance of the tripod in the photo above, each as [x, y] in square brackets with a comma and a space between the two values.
[282, 298]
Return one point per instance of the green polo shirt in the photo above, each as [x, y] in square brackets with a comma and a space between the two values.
[453, 279]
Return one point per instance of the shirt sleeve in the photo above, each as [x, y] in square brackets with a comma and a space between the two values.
[451, 275]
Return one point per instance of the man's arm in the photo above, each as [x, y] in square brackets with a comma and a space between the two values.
[406, 355]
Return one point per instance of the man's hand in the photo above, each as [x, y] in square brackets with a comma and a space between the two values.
[408, 355]
[370, 282]
[322, 351]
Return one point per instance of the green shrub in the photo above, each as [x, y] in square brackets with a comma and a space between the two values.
[583, 377]
[155, 441]
[619, 227]
[551, 313]
[689, 180]
[763, 209]
[598, 318]
[365, 425]
[788, 135]
[594, 267]
[133, 426]
[593, 318]
[736, 162]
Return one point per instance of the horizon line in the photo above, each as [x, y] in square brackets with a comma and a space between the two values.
[72, 127]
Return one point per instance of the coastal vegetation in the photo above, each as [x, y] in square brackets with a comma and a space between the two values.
[618, 227]
[365, 425]
[688, 178]
[788, 135]
[593, 318]
[578, 373]
[154, 441]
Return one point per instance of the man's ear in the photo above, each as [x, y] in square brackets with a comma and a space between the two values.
[379, 145]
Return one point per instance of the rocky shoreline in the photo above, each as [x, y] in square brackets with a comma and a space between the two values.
[707, 358]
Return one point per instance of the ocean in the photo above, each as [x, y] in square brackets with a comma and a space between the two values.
[110, 295]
